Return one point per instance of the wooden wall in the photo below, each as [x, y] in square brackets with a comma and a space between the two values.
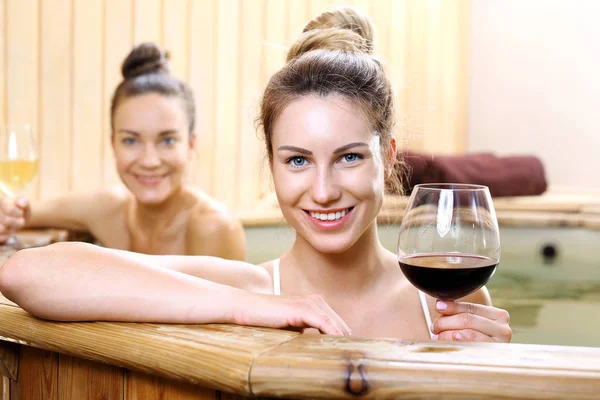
[60, 59]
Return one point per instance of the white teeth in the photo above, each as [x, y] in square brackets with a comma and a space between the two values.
[329, 216]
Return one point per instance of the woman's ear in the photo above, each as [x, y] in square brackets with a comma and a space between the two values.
[192, 144]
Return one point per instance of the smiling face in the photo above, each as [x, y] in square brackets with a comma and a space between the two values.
[152, 145]
[328, 171]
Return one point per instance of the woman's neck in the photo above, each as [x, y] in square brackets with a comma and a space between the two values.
[355, 270]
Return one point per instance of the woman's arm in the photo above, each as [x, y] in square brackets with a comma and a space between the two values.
[75, 211]
[83, 282]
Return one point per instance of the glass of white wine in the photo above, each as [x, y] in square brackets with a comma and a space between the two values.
[18, 165]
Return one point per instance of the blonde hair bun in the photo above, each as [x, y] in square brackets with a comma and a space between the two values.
[344, 28]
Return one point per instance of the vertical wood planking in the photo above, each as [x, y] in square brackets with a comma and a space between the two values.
[364, 5]
[316, 7]
[203, 80]
[147, 387]
[3, 45]
[147, 22]
[227, 124]
[59, 70]
[38, 374]
[87, 117]
[433, 142]
[250, 148]
[455, 29]
[55, 97]
[22, 40]
[416, 72]
[298, 17]
[381, 17]
[5, 388]
[275, 53]
[396, 66]
[175, 36]
[118, 36]
[84, 379]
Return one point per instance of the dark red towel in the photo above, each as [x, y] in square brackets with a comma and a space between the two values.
[505, 176]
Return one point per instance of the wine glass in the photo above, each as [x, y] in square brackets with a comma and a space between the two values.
[18, 165]
[449, 241]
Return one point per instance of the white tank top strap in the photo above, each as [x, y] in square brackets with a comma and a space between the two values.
[276, 278]
[426, 313]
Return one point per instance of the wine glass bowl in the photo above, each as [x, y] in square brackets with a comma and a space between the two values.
[18, 164]
[449, 242]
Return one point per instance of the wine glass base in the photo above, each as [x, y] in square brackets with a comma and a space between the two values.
[12, 244]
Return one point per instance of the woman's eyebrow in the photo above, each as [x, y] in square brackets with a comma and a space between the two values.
[295, 149]
[349, 146]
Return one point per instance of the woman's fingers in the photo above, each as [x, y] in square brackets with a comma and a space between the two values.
[463, 335]
[489, 312]
[337, 320]
[294, 312]
[474, 322]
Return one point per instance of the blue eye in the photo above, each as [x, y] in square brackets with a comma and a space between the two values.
[128, 141]
[169, 141]
[351, 157]
[297, 161]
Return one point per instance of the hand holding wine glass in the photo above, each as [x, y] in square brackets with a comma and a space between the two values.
[449, 247]
[18, 167]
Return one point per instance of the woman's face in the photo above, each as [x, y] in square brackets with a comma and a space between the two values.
[328, 171]
[152, 145]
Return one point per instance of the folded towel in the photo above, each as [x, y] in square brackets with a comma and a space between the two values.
[521, 175]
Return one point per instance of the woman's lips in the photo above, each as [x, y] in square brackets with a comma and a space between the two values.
[152, 180]
[329, 220]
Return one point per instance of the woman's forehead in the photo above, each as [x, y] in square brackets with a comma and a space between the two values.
[331, 119]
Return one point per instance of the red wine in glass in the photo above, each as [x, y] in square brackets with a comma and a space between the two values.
[447, 276]
[449, 242]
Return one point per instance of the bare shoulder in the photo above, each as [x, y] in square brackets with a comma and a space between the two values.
[213, 230]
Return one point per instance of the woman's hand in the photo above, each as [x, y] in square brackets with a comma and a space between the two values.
[290, 312]
[471, 322]
[13, 215]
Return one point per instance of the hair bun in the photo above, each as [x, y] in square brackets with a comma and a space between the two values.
[342, 28]
[145, 58]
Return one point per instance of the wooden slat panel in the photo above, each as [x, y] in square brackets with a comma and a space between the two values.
[38, 374]
[118, 36]
[2, 62]
[316, 7]
[9, 360]
[5, 394]
[203, 80]
[83, 379]
[175, 32]
[298, 17]
[147, 387]
[227, 125]
[55, 95]
[274, 58]
[250, 149]
[455, 28]
[147, 22]
[416, 73]
[87, 117]
[381, 16]
[22, 69]
[396, 66]
[365, 6]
